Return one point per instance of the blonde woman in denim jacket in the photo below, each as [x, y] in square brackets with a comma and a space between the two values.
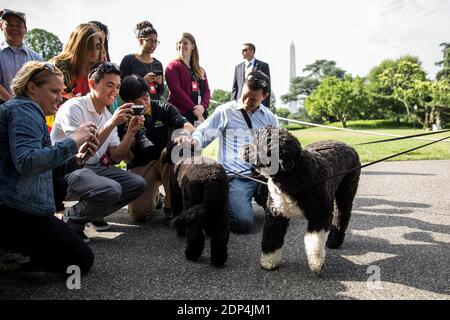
[27, 158]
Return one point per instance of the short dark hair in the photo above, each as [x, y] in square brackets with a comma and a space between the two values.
[258, 80]
[251, 46]
[133, 87]
[100, 69]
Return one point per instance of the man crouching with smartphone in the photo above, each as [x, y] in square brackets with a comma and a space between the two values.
[100, 187]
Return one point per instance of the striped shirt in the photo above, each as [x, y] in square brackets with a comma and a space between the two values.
[11, 60]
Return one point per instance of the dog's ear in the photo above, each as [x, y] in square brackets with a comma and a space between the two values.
[166, 154]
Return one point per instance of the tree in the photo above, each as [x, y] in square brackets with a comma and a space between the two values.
[440, 89]
[301, 87]
[386, 98]
[440, 93]
[444, 73]
[282, 112]
[402, 80]
[340, 98]
[220, 97]
[382, 104]
[324, 68]
[43, 42]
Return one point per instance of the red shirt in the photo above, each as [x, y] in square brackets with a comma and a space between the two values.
[179, 81]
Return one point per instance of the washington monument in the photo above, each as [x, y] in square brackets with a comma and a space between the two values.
[292, 74]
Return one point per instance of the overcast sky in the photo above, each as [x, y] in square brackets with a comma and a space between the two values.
[356, 34]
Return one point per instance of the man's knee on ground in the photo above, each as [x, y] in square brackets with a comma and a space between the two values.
[140, 212]
[241, 226]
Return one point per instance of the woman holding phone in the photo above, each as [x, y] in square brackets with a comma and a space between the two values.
[143, 63]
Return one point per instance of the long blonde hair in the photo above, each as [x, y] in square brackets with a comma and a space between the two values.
[195, 57]
[77, 50]
[33, 71]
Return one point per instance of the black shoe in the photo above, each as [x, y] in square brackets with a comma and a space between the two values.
[83, 236]
[99, 225]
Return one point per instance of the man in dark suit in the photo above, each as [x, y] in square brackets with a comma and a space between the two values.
[243, 69]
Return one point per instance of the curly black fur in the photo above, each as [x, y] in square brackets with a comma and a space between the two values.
[302, 187]
[200, 203]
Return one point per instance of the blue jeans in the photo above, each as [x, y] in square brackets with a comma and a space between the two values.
[241, 192]
[100, 192]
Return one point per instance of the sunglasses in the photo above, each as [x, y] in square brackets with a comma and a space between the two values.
[259, 82]
[105, 67]
[47, 66]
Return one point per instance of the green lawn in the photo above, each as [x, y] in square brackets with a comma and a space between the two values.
[367, 153]
[438, 151]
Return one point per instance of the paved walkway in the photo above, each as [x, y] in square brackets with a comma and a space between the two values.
[400, 229]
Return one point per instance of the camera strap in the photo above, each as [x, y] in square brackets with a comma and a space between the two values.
[247, 119]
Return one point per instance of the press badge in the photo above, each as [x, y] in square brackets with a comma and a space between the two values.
[194, 86]
[105, 160]
[152, 88]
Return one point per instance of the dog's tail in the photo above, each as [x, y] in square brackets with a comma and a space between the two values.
[190, 216]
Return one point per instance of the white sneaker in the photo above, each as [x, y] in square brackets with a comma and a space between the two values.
[99, 225]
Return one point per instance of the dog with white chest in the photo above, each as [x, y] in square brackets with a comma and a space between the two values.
[307, 184]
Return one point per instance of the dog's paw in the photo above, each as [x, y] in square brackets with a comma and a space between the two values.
[315, 265]
[270, 261]
[335, 240]
[315, 249]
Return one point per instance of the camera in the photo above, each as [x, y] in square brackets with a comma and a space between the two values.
[142, 142]
[138, 109]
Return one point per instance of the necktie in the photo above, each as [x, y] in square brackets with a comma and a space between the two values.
[248, 69]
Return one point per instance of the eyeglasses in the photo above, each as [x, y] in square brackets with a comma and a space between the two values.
[151, 41]
[245, 50]
[259, 82]
[47, 66]
[105, 67]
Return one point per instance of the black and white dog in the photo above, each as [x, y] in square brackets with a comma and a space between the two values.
[301, 188]
[199, 198]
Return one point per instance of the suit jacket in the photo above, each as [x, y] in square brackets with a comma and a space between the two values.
[238, 80]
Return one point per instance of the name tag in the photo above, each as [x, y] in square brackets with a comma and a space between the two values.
[152, 88]
[194, 86]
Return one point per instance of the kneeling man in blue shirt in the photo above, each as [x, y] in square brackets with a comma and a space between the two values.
[233, 123]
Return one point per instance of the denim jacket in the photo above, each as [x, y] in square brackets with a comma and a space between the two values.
[27, 157]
